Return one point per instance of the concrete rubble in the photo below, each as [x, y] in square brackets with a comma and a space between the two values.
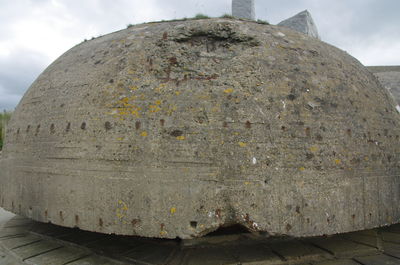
[302, 22]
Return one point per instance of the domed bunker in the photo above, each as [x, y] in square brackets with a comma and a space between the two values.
[175, 129]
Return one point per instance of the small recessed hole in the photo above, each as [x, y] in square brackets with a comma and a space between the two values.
[83, 125]
[52, 128]
[193, 224]
[107, 125]
[68, 127]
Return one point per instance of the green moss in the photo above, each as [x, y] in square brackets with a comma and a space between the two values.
[4, 118]
[201, 16]
[260, 21]
[227, 16]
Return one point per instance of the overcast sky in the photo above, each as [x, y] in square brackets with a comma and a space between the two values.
[33, 33]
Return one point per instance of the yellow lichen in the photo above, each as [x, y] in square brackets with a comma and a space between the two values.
[242, 144]
[314, 148]
[173, 210]
[180, 137]
[228, 90]
[302, 168]
[144, 134]
[337, 161]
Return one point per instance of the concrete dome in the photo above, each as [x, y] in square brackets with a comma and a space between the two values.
[175, 129]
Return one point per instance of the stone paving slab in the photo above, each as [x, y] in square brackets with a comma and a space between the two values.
[95, 260]
[35, 249]
[294, 250]
[337, 262]
[380, 259]
[59, 256]
[15, 242]
[391, 237]
[342, 248]
[7, 232]
[392, 249]
[57, 245]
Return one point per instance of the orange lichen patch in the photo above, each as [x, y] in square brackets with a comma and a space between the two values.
[144, 134]
[125, 100]
[180, 137]
[157, 102]
[132, 110]
[228, 90]
[154, 108]
[242, 144]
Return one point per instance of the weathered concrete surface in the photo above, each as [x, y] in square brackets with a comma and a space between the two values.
[389, 76]
[243, 9]
[302, 22]
[175, 129]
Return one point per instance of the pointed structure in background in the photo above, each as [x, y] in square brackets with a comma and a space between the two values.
[243, 9]
[302, 22]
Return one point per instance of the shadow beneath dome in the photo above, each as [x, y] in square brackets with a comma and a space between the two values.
[227, 245]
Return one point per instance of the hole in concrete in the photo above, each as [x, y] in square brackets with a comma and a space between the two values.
[176, 133]
[137, 125]
[229, 230]
[52, 128]
[83, 125]
[107, 125]
[193, 224]
[68, 127]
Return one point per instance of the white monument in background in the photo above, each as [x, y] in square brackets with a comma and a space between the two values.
[243, 9]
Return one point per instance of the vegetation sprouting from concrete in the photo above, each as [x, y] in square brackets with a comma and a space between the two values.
[4, 118]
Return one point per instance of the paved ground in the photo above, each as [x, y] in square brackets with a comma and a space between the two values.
[23, 241]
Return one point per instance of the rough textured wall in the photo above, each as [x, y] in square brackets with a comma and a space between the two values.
[389, 76]
[302, 22]
[175, 129]
[243, 9]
